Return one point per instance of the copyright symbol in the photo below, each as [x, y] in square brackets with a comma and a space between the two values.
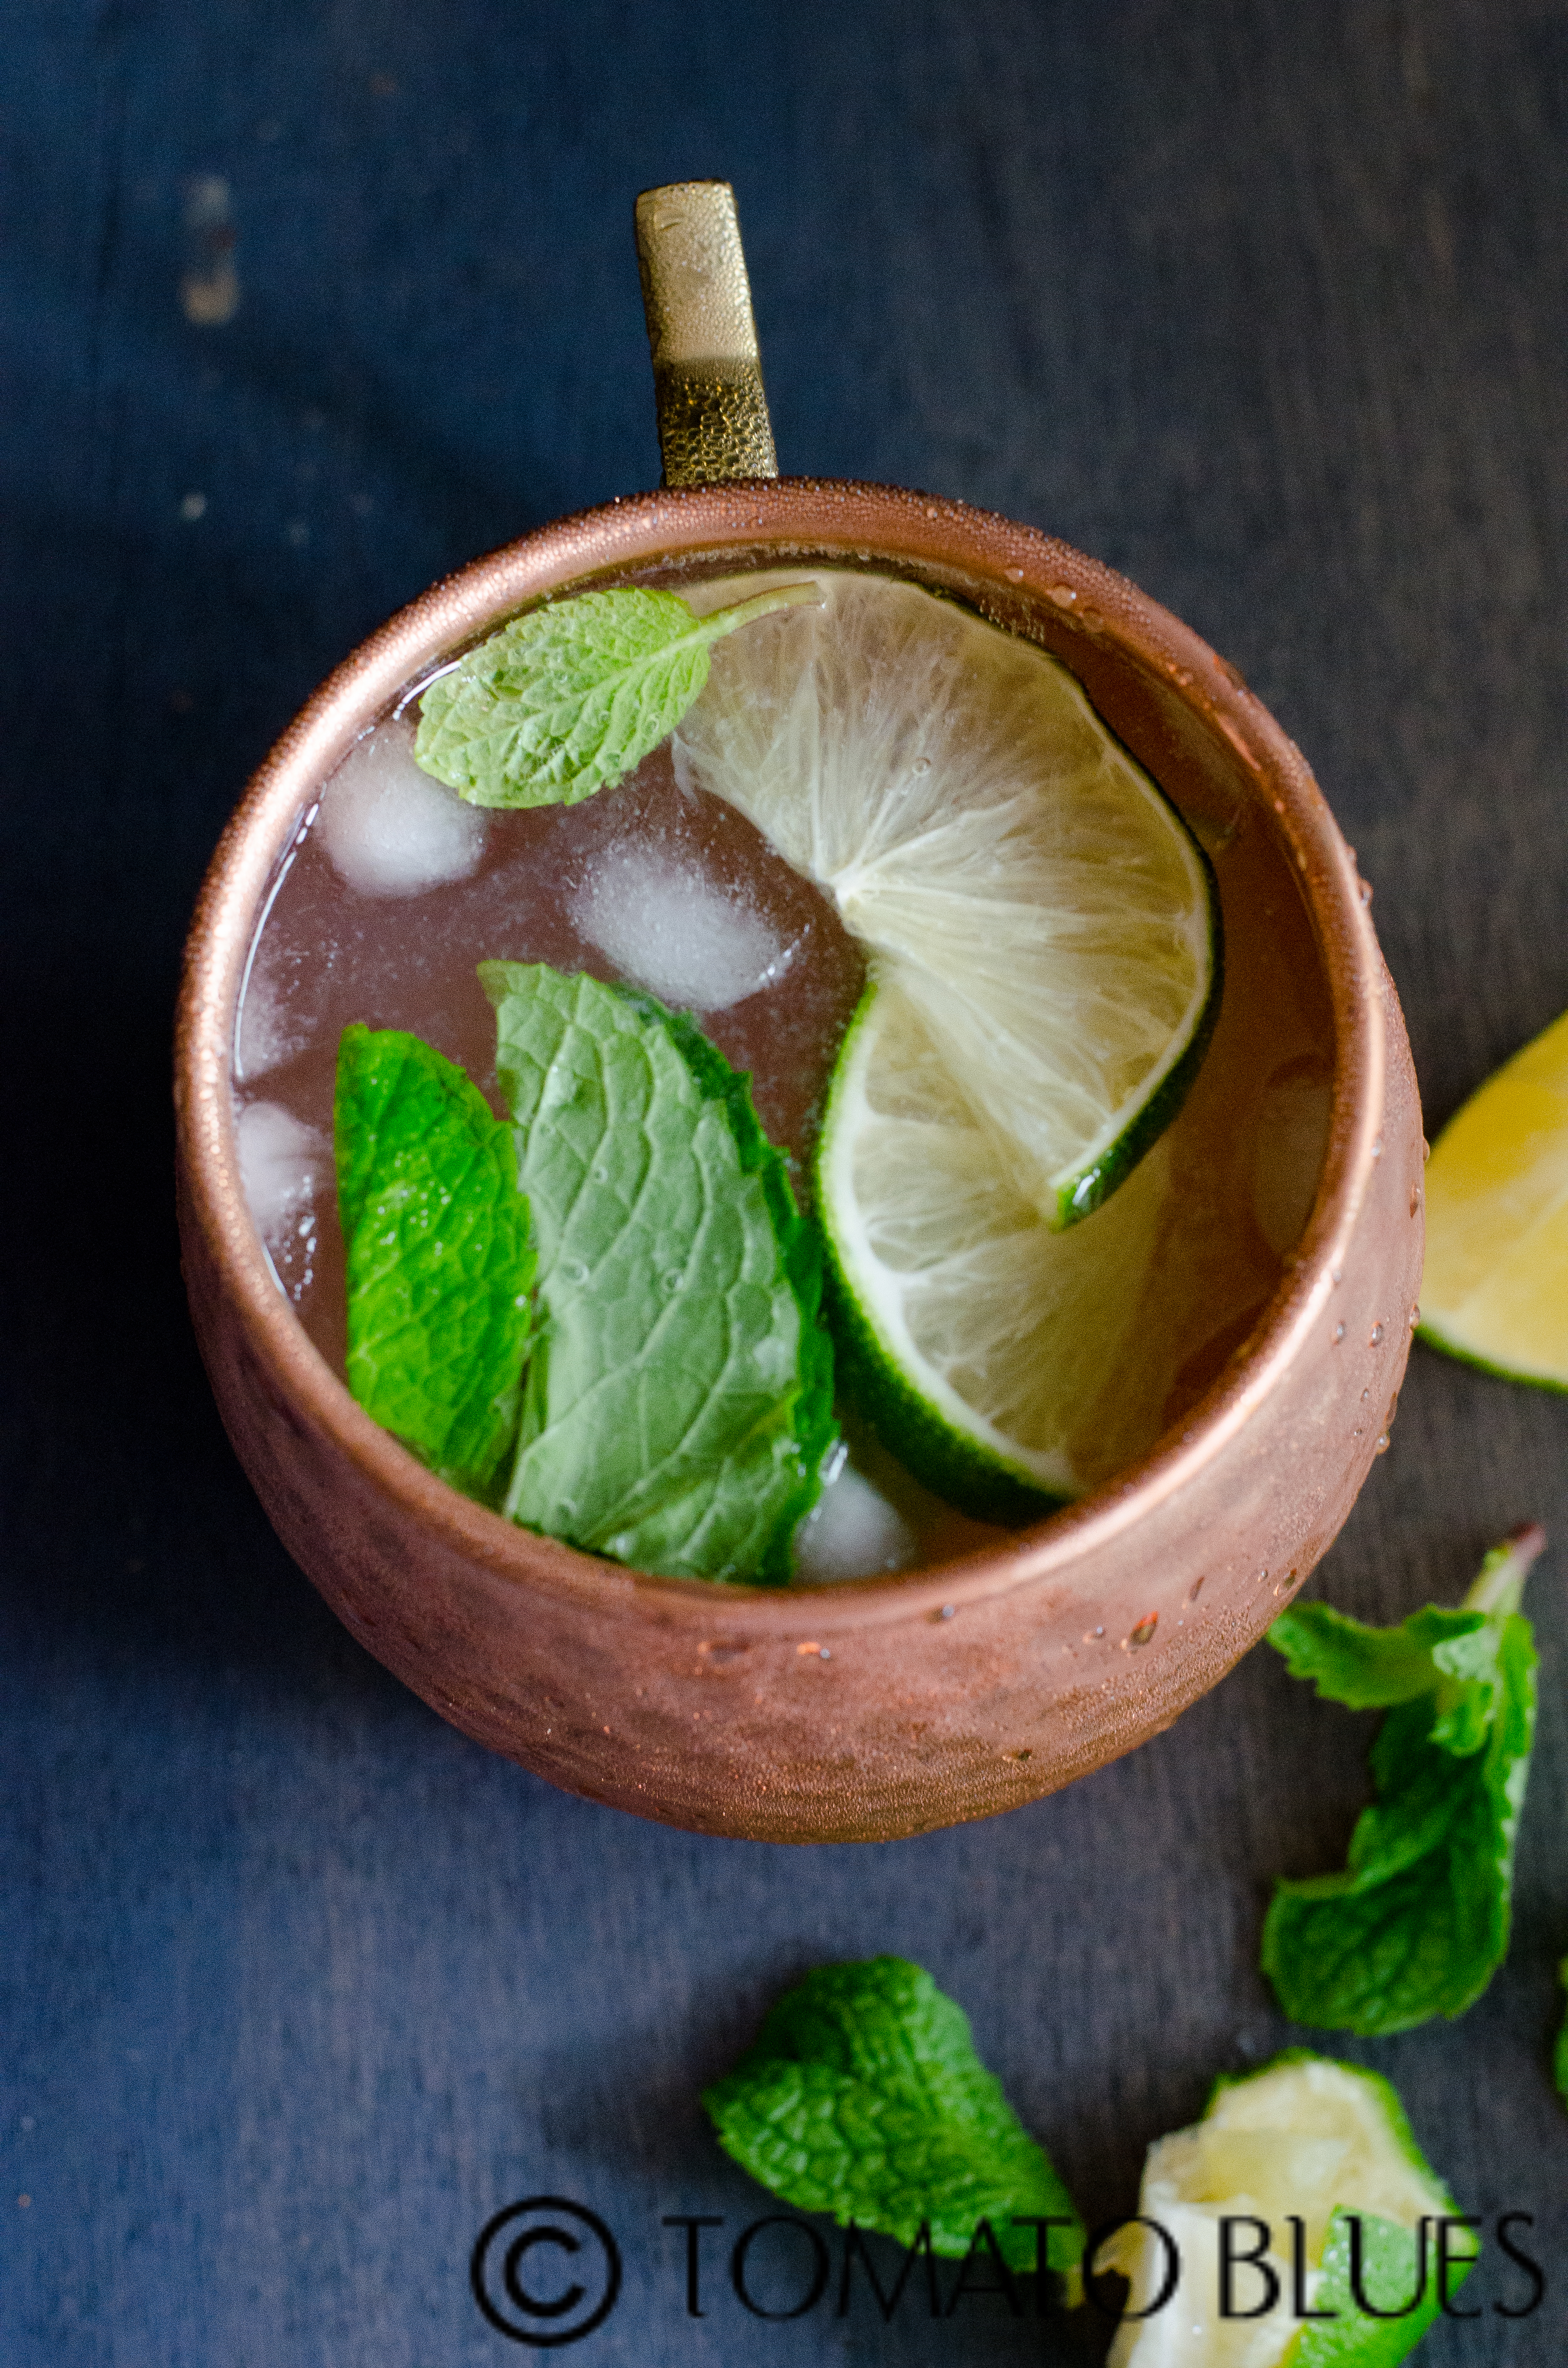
[545, 2271]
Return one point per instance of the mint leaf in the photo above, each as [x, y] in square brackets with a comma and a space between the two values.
[439, 1264]
[678, 1404]
[1366, 1668]
[1417, 1922]
[567, 699]
[863, 2096]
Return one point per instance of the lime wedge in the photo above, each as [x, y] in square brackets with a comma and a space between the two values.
[1014, 873]
[1307, 2138]
[1494, 1287]
[989, 1351]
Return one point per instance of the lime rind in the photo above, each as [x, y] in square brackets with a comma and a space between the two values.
[1389, 2261]
[1450, 1344]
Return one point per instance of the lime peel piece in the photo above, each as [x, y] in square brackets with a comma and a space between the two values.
[1305, 2136]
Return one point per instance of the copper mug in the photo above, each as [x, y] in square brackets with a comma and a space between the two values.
[883, 1706]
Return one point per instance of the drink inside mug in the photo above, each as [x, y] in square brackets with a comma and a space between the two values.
[1185, 1329]
[396, 891]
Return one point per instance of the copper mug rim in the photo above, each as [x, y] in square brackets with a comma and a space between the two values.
[1001, 565]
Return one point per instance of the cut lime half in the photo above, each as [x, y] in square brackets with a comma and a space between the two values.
[1306, 2139]
[1494, 1286]
[988, 1349]
[1017, 876]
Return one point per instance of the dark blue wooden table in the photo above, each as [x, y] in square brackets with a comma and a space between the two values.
[1264, 304]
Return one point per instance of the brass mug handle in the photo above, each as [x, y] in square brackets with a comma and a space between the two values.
[713, 422]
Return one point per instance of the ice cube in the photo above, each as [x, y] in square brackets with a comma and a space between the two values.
[282, 1164]
[854, 1532]
[389, 828]
[668, 927]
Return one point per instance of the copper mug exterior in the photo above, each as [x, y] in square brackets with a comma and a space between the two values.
[882, 1707]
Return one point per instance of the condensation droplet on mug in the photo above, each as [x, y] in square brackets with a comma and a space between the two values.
[1337, 1277]
[1338, 1334]
[1364, 890]
[1195, 1589]
[1415, 1313]
[1382, 1445]
[1415, 1199]
[1014, 574]
[1374, 1334]
[1377, 1146]
[1062, 594]
[1143, 1633]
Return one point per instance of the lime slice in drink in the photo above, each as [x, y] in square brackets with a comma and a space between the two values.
[1494, 1287]
[988, 1350]
[1305, 2140]
[1014, 872]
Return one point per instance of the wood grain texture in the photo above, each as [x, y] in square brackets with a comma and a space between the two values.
[1261, 304]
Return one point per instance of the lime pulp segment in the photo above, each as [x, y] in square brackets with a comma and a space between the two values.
[984, 1345]
[1009, 866]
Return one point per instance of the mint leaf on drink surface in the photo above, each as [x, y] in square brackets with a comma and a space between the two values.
[679, 1402]
[568, 698]
[1417, 1922]
[439, 1262]
[863, 2096]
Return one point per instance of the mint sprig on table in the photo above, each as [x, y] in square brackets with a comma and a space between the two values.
[439, 1262]
[863, 2096]
[679, 1401]
[568, 698]
[1417, 1922]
